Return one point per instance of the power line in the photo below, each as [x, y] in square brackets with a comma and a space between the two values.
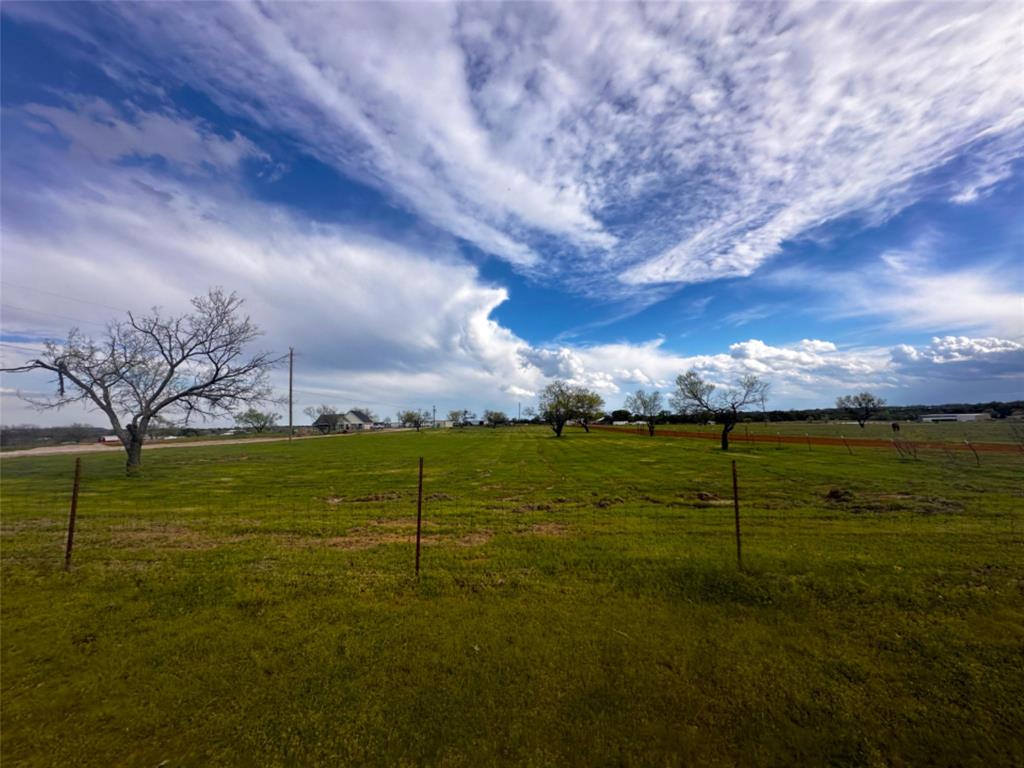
[60, 295]
[19, 347]
[52, 314]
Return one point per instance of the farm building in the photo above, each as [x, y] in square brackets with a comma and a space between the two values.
[350, 421]
[937, 417]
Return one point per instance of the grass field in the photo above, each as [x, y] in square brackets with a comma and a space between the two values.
[579, 604]
[1002, 431]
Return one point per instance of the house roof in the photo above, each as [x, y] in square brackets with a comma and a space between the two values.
[328, 419]
[358, 417]
[349, 417]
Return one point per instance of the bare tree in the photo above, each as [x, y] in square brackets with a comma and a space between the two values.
[316, 411]
[646, 405]
[413, 419]
[860, 407]
[495, 418]
[257, 420]
[588, 407]
[455, 417]
[694, 395]
[191, 365]
[556, 405]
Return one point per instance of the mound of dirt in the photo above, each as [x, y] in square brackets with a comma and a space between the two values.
[839, 495]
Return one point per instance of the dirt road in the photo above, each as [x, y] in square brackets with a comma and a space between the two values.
[116, 447]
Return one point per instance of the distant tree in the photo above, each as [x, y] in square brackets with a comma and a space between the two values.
[257, 420]
[621, 414]
[646, 405]
[190, 365]
[495, 418]
[530, 413]
[455, 417]
[556, 405]
[316, 411]
[694, 395]
[860, 407]
[588, 406]
[413, 419]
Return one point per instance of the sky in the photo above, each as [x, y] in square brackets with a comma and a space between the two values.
[451, 205]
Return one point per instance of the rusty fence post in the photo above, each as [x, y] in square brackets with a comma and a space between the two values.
[736, 508]
[419, 517]
[73, 514]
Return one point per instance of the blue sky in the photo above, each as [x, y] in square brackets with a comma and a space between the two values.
[451, 204]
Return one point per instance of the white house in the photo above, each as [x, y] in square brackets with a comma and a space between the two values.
[350, 421]
[937, 417]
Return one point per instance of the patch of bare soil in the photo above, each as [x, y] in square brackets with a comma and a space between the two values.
[359, 540]
[532, 508]
[549, 529]
[893, 502]
[706, 499]
[383, 496]
[32, 524]
[173, 537]
[607, 501]
[383, 532]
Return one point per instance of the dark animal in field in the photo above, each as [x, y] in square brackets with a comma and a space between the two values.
[895, 427]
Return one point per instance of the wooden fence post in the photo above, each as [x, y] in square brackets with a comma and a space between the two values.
[419, 517]
[977, 458]
[736, 508]
[73, 514]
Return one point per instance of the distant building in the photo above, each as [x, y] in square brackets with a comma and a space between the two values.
[110, 440]
[350, 421]
[937, 417]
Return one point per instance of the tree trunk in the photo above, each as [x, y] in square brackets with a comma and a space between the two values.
[134, 450]
[557, 426]
[586, 427]
[650, 427]
[726, 429]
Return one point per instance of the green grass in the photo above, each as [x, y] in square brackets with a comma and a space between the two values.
[579, 605]
[995, 431]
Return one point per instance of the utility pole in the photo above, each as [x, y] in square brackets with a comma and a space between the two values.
[291, 369]
[433, 417]
[519, 411]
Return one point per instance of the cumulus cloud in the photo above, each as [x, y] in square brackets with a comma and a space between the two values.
[963, 358]
[654, 143]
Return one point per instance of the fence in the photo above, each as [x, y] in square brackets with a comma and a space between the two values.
[392, 521]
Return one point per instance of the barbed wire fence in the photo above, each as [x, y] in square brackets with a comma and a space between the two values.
[328, 527]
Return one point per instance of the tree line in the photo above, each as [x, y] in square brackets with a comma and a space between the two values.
[149, 370]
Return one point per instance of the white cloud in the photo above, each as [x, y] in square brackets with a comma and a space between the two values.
[963, 358]
[373, 321]
[666, 142]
